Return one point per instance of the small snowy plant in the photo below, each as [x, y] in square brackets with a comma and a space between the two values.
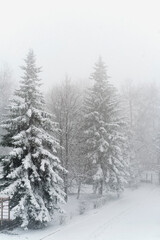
[32, 170]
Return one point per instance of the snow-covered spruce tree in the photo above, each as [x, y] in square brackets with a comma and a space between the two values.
[103, 132]
[32, 169]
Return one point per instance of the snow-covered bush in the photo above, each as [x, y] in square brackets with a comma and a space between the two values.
[82, 207]
[62, 218]
[99, 202]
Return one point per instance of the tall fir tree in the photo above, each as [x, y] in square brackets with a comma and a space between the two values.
[32, 169]
[103, 132]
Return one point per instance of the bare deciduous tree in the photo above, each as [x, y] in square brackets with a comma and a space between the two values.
[65, 105]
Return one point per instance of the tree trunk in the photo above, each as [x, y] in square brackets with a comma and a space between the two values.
[79, 189]
[159, 178]
[101, 187]
[66, 159]
[66, 186]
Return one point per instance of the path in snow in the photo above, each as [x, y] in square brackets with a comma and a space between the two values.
[135, 216]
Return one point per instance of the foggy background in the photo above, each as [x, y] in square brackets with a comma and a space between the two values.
[68, 36]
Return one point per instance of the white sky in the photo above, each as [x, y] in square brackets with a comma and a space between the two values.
[68, 36]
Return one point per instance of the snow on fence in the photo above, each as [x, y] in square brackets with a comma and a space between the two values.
[150, 177]
[4, 209]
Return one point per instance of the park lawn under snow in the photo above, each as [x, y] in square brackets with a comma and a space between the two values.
[135, 216]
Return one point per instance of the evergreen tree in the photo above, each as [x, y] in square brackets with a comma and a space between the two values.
[103, 131]
[32, 169]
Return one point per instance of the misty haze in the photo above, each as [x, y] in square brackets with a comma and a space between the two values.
[79, 120]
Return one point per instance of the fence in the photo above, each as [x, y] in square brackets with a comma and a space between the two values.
[150, 177]
[4, 209]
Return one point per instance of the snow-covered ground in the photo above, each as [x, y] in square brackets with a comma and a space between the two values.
[135, 216]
